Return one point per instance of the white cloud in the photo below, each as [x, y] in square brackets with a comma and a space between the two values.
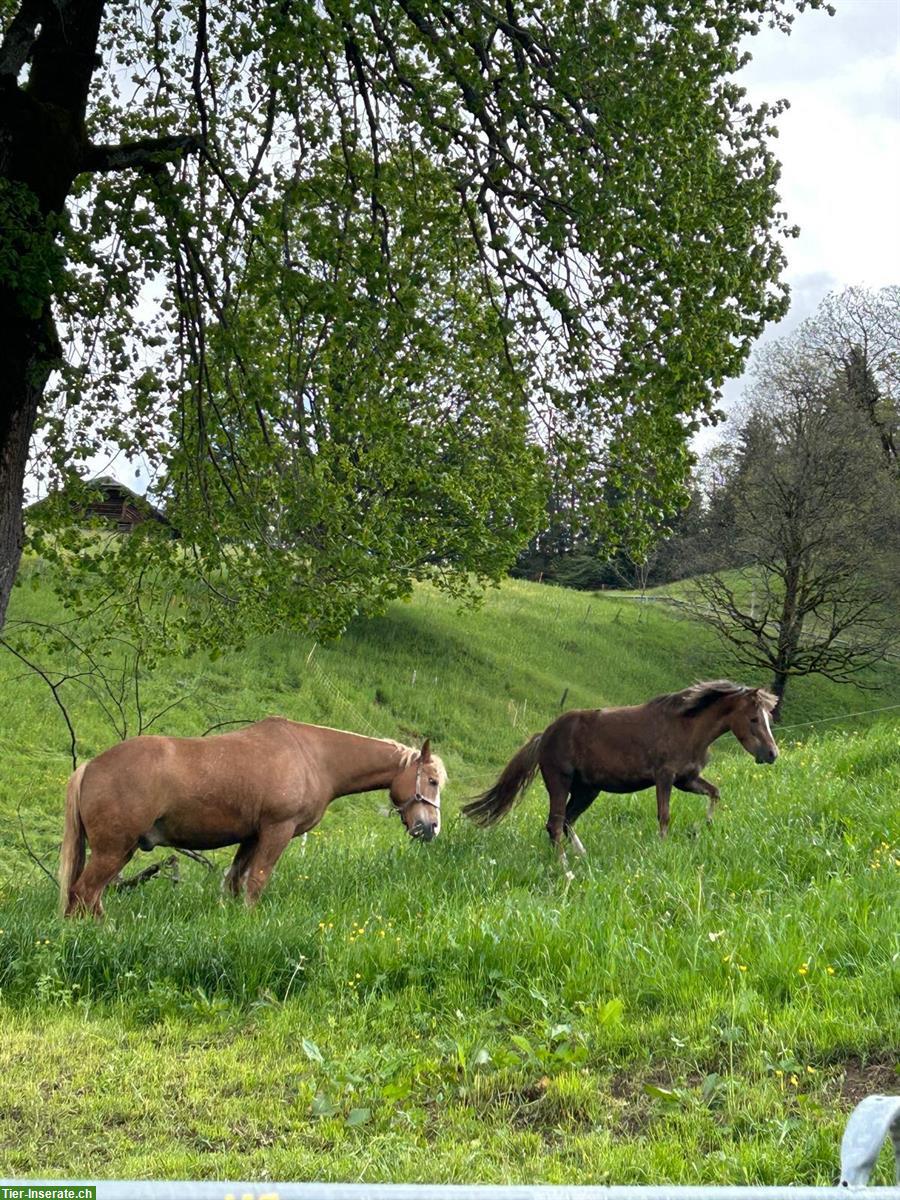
[839, 146]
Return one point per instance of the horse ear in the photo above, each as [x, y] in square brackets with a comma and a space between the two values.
[425, 754]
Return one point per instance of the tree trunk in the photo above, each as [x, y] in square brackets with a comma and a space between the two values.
[28, 348]
[790, 628]
[42, 149]
[779, 686]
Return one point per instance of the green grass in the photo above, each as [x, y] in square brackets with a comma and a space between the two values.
[700, 1010]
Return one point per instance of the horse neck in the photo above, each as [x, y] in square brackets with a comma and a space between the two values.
[709, 725]
[368, 764]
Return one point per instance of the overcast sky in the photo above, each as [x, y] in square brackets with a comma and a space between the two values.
[839, 145]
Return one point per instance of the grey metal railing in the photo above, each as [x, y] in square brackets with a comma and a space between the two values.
[871, 1123]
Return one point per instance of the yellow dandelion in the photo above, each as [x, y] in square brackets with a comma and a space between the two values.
[741, 967]
[830, 970]
[811, 1070]
[794, 1080]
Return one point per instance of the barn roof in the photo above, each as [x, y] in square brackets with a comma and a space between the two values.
[110, 486]
[108, 483]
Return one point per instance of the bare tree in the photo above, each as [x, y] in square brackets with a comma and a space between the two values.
[857, 331]
[811, 540]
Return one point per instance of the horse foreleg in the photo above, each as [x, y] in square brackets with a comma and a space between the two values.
[270, 844]
[663, 792]
[702, 787]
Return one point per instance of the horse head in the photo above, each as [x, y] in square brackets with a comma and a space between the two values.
[416, 794]
[750, 724]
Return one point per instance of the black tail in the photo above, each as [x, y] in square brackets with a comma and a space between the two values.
[496, 802]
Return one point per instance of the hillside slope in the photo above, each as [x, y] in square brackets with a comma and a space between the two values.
[700, 1010]
[476, 682]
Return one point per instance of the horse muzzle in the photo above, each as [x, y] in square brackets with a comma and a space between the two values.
[765, 755]
[425, 831]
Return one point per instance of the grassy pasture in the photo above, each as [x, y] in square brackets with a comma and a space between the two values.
[700, 1010]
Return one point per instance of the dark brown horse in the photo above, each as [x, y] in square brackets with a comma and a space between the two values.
[663, 743]
[258, 787]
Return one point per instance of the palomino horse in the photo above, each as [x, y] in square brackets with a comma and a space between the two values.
[663, 743]
[259, 787]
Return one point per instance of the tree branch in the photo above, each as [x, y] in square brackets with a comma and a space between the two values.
[20, 37]
[141, 155]
[28, 850]
[54, 688]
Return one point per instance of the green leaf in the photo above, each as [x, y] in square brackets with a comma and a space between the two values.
[323, 1106]
[660, 1093]
[311, 1050]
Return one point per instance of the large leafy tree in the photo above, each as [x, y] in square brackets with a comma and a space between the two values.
[599, 204]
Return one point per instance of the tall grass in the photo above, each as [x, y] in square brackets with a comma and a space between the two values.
[699, 1010]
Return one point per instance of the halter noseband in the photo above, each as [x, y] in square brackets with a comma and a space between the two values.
[400, 809]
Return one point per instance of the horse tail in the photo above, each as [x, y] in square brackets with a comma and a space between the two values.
[518, 773]
[71, 857]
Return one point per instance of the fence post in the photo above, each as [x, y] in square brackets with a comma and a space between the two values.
[867, 1130]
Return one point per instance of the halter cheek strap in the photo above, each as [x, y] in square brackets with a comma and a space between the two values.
[400, 809]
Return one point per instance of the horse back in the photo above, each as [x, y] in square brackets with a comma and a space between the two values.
[245, 768]
[614, 749]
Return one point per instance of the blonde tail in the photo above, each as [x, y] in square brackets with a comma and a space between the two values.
[71, 856]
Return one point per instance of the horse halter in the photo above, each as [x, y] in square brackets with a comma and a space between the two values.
[400, 809]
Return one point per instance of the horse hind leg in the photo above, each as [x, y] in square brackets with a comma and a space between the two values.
[582, 797]
[236, 875]
[558, 786]
[103, 866]
[270, 844]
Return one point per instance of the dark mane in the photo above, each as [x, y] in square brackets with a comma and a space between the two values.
[699, 696]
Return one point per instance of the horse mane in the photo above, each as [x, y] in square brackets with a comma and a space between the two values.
[700, 696]
[408, 754]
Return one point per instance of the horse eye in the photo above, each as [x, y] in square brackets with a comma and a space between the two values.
[433, 782]
[754, 720]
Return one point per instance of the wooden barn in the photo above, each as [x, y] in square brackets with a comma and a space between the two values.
[121, 506]
[117, 505]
